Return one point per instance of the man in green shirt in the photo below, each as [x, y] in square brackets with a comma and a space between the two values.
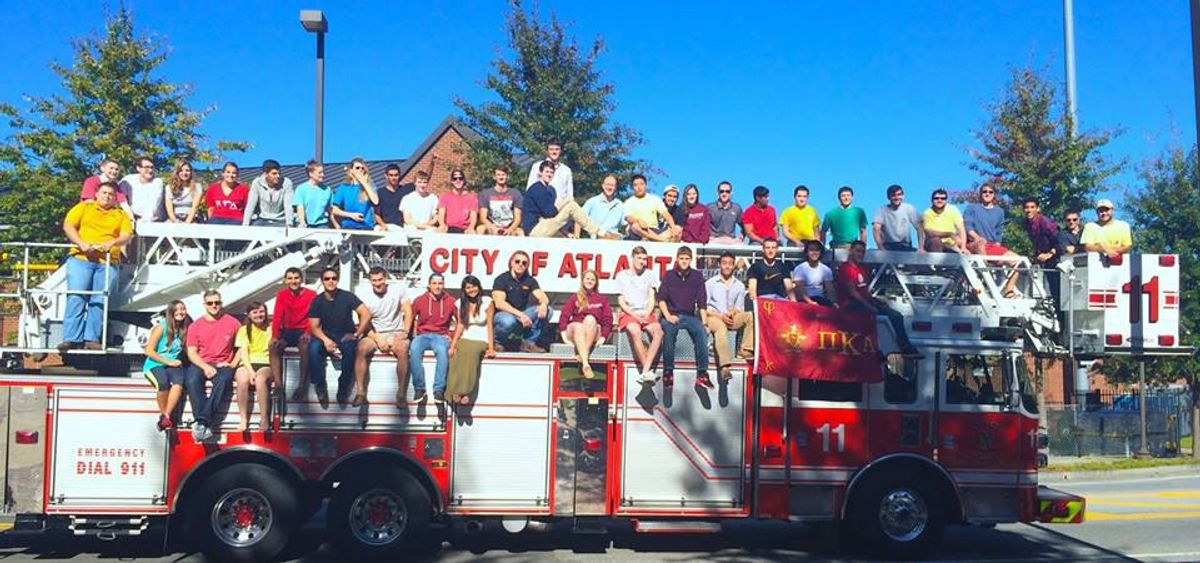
[847, 223]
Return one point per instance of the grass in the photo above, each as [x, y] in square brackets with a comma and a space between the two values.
[1120, 463]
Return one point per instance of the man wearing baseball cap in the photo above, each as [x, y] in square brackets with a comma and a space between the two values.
[1106, 235]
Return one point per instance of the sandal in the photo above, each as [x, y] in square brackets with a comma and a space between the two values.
[359, 400]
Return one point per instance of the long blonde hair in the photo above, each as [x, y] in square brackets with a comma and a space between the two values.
[581, 296]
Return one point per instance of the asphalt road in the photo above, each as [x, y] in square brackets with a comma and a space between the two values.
[1142, 519]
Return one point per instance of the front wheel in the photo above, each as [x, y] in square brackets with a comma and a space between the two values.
[380, 512]
[896, 517]
[242, 513]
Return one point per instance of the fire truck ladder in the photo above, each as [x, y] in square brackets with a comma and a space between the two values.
[933, 285]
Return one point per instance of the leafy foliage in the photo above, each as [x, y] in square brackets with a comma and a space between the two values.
[1026, 150]
[112, 105]
[550, 89]
[1165, 216]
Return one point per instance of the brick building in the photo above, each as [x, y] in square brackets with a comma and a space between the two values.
[445, 148]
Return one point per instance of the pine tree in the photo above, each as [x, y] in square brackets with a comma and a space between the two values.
[113, 105]
[550, 89]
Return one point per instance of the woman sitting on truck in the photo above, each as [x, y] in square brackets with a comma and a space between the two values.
[253, 344]
[586, 320]
[164, 361]
[472, 341]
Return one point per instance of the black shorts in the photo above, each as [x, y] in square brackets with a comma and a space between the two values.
[163, 377]
[291, 336]
[255, 367]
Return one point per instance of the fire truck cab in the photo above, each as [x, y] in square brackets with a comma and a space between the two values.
[951, 437]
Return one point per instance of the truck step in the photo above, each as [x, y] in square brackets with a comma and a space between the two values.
[108, 528]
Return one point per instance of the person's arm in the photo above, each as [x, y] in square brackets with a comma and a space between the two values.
[752, 288]
[748, 228]
[920, 234]
[365, 181]
[701, 299]
[606, 321]
[169, 203]
[251, 204]
[440, 218]
[314, 324]
[195, 208]
[564, 315]
[484, 218]
[364, 321]
[151, 348]
[666, 312]
[877, 233]
[862, 225]
[801, 292]
[196, 360]
[455, 336]
[960, 237]
[72, 232]
[289, 194]
[543, 306]
[515, 228]
[501, 302]
[491, 331]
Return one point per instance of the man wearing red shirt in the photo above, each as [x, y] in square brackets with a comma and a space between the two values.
[290, 327]
[854, 295]
[758, 220]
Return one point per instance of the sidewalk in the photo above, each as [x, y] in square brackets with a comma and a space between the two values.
[1064, 469]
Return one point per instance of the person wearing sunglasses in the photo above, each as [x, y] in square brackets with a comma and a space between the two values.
[516, 319]
[458, 207]
[1107, 235]
[210, 349]
[334, 333]
[725, 216]
[1068, 236]
[943, 225]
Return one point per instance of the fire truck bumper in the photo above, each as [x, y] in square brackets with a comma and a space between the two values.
[1057, 507]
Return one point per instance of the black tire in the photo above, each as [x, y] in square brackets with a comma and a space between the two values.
[896, 516]
[380, 513]
[244, 512]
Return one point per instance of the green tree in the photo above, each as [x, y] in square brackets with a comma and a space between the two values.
[113, 105]
[1165, 215]
[1026, 149]
[550, 88]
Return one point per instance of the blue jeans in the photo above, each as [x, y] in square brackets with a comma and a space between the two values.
[85, 275]
[894, 317]
[316, 360]
[699, 335]
[509, 329]
[416, 361]
[204, 409]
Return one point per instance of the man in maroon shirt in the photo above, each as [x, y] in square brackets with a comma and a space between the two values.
[683, 301]
[289, 326]
[854, 295]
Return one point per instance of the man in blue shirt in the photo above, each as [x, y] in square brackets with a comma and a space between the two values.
[544, 216]
[605, 208]
[985, 229]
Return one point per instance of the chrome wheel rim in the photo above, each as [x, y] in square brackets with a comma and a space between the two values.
[378, 517]
[242, 517]
[903, 515]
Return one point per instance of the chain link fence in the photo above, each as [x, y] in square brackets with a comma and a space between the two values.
[1110, 425]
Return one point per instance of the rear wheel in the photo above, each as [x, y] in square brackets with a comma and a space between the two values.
[380, 512]
[896, 516]
[242, 513]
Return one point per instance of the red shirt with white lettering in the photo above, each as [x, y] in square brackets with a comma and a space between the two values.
[223, 205]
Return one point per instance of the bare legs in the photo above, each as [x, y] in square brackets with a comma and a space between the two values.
[584, 335]
[644, 354]
[261, 380]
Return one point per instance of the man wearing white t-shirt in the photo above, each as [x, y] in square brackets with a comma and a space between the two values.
[420, 210]
[388, 309]
[144, 190]
[814, 280]
[635, 297]
[562, 182]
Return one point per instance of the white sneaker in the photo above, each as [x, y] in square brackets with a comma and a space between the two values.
[648, 378]
[199, 432]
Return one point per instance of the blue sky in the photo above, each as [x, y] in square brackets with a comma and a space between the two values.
[772, 93]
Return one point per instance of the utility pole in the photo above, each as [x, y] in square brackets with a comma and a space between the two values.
[1195, 9]
[1069, 39]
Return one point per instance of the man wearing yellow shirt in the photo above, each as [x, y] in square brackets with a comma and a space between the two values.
[1106, 235]
[800, 222]
[98, 229]
[943, 225]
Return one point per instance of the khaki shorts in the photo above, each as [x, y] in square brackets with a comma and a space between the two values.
[388, 339]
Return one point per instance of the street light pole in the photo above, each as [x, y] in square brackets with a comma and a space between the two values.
[1069, 39]
[1144, 449]
[314, 21]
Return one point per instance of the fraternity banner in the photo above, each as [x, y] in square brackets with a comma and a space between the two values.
[814, 342]
[556, 263]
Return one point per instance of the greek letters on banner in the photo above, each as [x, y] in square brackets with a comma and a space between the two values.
[814, 342]
[556, 263]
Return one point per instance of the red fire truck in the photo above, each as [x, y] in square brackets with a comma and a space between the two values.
[948, 438]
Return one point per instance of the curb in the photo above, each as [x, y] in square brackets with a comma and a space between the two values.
[1052, 477]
